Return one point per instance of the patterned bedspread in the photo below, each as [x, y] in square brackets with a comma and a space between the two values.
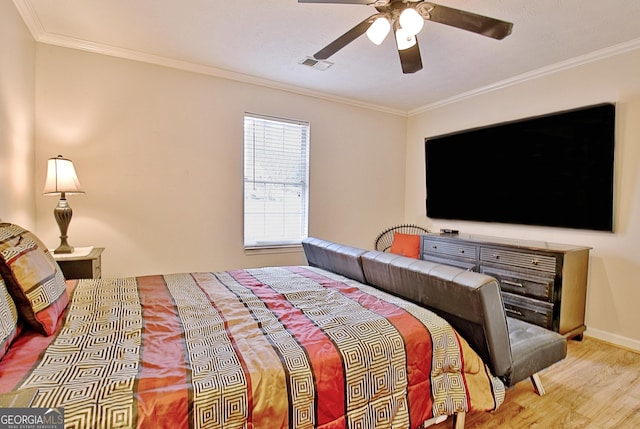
[286, 347]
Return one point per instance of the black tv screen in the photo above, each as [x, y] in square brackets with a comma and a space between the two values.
[554, 170]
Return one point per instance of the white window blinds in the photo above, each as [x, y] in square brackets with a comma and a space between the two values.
[276, 173]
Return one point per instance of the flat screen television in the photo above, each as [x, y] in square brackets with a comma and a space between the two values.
[554, 170]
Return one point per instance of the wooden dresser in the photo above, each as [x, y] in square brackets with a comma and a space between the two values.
[542, 283]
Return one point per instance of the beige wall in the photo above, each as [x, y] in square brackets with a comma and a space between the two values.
[17, 98]
[159, 153]
[614, 279]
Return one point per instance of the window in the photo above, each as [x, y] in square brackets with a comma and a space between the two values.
[276, 175]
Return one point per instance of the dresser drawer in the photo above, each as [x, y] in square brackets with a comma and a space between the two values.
[530, 310]
[519, 259]
[444, 248]
[523, 283]
[467, 265]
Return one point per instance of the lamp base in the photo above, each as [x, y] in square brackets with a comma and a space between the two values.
[63, 248]
[63, 214]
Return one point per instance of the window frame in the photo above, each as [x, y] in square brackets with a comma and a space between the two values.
[285, 241]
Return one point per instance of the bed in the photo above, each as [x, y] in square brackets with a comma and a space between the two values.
[273, 347]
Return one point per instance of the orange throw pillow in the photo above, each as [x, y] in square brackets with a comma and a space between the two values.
[406, 245]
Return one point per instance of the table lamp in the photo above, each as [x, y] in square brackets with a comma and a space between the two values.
[62, 179]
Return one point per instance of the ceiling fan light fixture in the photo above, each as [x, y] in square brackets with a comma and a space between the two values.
[404, 39]
[411, 21]
[378, 31]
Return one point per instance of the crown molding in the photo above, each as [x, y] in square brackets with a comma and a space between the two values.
[534, 74]
[30, 18]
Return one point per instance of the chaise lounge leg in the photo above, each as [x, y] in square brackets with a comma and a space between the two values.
[537, 384]
[458, 420]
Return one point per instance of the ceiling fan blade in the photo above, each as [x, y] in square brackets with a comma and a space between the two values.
[410, 59]
[464, 20]
[345, 39]
[338, 1]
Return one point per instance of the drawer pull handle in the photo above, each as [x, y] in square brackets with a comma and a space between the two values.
[496, 256]
[461, 250]
[511, 310]
[535, 262]
[510, 283]
[434, 246]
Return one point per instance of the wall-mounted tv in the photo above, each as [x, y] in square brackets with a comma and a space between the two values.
[554, 170]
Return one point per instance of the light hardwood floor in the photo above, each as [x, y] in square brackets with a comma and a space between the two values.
[597, 386]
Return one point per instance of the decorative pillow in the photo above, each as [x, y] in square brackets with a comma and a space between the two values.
[33, 278]
[406, 245]
[9, 326]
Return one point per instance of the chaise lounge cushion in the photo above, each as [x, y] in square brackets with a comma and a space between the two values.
[533, 348]
[340, 259]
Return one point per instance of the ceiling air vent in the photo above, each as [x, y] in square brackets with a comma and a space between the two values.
[316, 64]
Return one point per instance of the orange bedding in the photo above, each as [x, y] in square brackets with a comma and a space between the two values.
[279, 347]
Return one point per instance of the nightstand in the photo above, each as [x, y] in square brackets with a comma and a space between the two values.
[83, 266]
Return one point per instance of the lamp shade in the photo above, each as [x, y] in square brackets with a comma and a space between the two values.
[411, 21]
[61, 177]
[378, 31]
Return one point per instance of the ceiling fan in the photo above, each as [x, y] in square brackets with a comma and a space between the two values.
[407, 17]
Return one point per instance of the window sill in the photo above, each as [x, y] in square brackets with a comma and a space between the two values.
[263, 250]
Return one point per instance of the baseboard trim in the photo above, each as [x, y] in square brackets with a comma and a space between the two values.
[617, 340]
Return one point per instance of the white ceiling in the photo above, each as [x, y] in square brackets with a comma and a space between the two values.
[263, 41]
